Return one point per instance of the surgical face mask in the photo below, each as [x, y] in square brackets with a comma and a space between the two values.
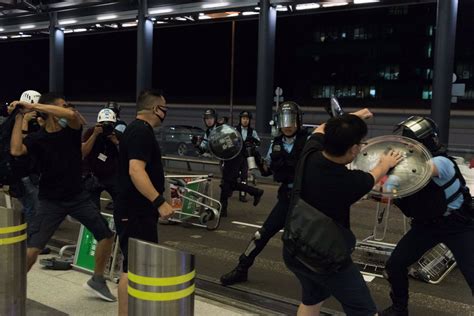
[164, 110]
[62, 122]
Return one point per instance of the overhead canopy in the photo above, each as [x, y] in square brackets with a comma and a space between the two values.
[24, 18]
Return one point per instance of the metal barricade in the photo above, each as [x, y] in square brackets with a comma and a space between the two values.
[12, 262]
[160, 280]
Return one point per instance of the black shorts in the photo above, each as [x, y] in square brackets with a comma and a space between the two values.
[51, 213]
[139, 227]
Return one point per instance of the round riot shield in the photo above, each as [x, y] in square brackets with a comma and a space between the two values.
[225, 142]
[406, 178]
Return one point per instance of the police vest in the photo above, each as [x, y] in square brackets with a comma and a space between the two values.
[431, 201]
[283, 164]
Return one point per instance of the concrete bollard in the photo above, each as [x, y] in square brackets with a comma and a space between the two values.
[160, 280]
[12, 262]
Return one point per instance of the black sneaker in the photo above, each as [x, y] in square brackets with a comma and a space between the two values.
[257, 197]
[394, 311]
[100, 289]
[234, 276]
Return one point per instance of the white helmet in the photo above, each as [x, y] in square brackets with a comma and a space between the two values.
[30, 96]
[106, 115]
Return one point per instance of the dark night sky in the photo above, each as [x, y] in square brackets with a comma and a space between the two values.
[191, 63]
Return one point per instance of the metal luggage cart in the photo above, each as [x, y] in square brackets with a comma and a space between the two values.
[435, 265]
[191, 196]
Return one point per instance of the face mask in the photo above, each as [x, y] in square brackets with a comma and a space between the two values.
[164, 116]
[62, 122]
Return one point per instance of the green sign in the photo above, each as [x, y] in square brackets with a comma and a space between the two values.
[84, 258]
[189, 205]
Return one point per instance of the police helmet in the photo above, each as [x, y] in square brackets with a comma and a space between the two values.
[209, 113]
[245, 114]
[289, 115]
[114, 106]
[422, 129]
[106, 115]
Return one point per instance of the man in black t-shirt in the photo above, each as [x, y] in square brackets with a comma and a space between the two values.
[101, 156]
[331, 188]
[141, 182]
[57, 147]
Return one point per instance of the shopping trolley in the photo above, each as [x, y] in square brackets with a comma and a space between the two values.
[435, 265]
[191, 197]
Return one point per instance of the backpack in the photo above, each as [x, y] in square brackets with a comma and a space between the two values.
[6, 169]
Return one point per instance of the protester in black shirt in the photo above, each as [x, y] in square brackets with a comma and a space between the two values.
[141, 182]
[331, 188]
[101, 155]
[57, 147]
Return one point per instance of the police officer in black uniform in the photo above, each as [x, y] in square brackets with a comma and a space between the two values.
[282, 158]
[251, 142]
[441, 213]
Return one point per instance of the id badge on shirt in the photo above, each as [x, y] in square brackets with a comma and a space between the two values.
[102, 157]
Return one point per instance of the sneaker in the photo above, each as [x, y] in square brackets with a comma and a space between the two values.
[394, 311]
[100, 289]
[257, 197]
[234, 276]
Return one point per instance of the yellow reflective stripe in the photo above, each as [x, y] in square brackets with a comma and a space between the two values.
[12, 240]
[161, 281]
[164, 296]
[12, 229]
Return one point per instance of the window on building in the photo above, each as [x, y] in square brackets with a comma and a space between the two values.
[389, 72]
[427, 93]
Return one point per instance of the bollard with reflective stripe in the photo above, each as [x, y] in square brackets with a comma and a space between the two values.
[160, 280]
[12, 263]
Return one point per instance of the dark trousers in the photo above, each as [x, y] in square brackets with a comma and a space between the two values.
[455, 231]
[230, 173]
[273, 224]
[108, 184]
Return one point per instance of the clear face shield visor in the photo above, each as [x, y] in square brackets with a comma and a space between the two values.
[287, 118]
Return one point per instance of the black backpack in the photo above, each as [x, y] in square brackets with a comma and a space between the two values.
[7, 176]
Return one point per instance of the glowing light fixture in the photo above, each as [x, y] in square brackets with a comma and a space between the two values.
[107, 17]
[28, 26]
[129, 24]
[308, 6]
[215, 5]
[67, 22]
[335, 4]
[160, 11]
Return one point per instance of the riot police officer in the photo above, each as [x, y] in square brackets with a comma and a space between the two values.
[209, 118]
[441, 213]
[282, 158]
[251, 142]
